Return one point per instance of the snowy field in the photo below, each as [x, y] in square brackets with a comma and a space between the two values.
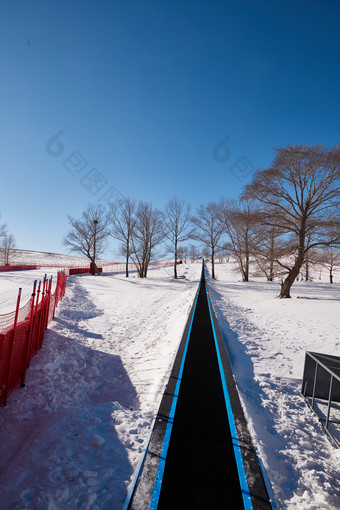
[73, 436]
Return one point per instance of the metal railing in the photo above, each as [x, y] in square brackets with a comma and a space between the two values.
[321, 387]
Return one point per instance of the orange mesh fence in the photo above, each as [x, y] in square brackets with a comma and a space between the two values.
[5, 340]
[22, 333]
[79, 270]
[6, 321]
[18, 356]
[18, 267]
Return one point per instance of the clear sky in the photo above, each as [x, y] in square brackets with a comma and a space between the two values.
[152, 99]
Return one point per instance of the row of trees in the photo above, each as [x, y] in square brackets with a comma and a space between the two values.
[139, 228]
[286, 218]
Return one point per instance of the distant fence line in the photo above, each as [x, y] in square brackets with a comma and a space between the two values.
[18, 267]
[26, 267]
[84, 267]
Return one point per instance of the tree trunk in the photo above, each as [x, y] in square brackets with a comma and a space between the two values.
[307, 270]
[127, 260]
[292, 274]
[175, 267]
[146, 263]
[247, 267]
[270, 277]
[213, 264]
[271, 261]
[330, 276]
[93, 267]
[244, 265]
[245, 275]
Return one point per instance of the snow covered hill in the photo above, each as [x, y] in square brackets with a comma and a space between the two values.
[73, 436]
[41, 258]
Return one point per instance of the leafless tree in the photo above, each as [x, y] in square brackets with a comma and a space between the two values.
[302, 187]
[328, 257]
[147, 235]
[193, 252]
[183, 253]
[3, 229]
[89, 234]
[269, 246]
[330, 260]
[177, 225]
[240, 219]
[208, 229]
[122, 221]
[7, 247]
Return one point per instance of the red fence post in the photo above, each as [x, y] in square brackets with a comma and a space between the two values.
[42, 315]
[49, 292]
[29, 339]
[56, 293]
[10, 357]
[37, 317]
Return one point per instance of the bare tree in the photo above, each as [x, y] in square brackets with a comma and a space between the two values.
[193, 252]
[3, 229]
[148, 233]
[123, 220]
[7, 246]
[88, 235]
[240, 222]
[269, 246]
[183, 253]
[328, 257]
[178, 226]
[208, 229]
[301, 186]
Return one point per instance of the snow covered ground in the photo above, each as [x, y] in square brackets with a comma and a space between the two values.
[73, 436]
[267, 339]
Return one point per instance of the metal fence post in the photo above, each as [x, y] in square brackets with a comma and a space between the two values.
[329, 401]
[36, 321]
[314, 384]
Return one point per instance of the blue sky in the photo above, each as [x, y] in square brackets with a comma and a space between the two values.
[104, 98]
